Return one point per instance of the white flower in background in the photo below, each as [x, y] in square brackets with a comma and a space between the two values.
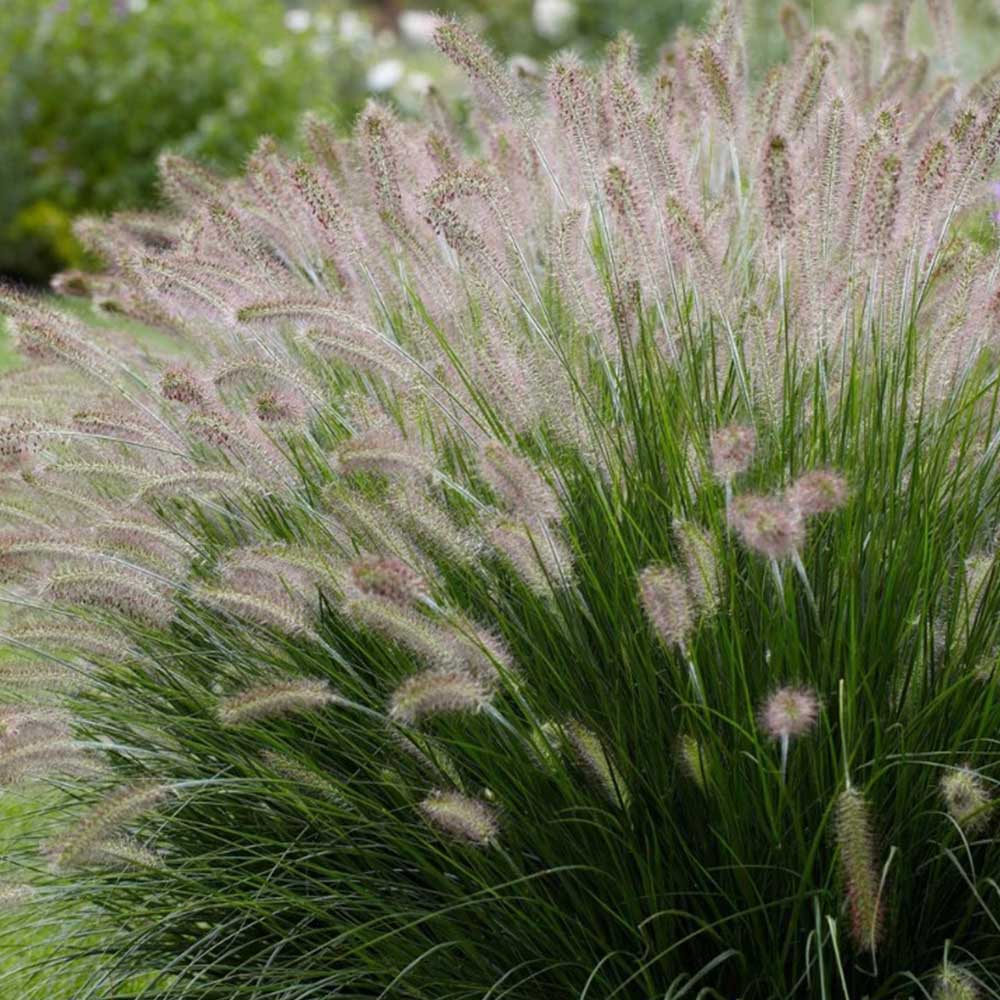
[137, 6]
[417, 26]
[521, 66]
[384, 75]
[352, 27]
[298, 19]
[274, 57]
[553, 18]
[418, 83]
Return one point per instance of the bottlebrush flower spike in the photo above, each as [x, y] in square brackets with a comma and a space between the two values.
[437, 692]
[592, 758]
[666, 600]
[462, 818]
[701, 566]
[42, 752]
[817, 492]
[732, 449]
[386, 451]
[475, 57]
[92, 831]
[955, 983]
[715, 80]
[386, 577]
[777, 187]
[967, 798]
[691, 757]
[859, 869]
[518, 484]
[183, 385]
[13, 894]
[769, 526]
[536, 554]
[269, 701]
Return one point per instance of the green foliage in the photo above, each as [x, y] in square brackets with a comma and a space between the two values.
[93, 89]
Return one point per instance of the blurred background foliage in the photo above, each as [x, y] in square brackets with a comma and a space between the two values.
[92, 90]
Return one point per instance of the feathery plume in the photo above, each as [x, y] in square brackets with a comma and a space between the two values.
[715, 80]
[594, 761]
[859, 869]
[955, 983]
[437, 692]
[309, 778]
[701, 566]
[691, 758]
[462, 818]
[479, 62]
[776, 178]
[732, 448]
[789, 712]
[967, 798]
[271, 611]
[769, 526]
[667, 602]
[817, 492]
[518, 484]
[268, 701]
[538, 556]
[388, 578]
[91, 833]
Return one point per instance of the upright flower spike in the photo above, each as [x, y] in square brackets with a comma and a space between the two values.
[701, 566]
[666, 600]
[859, 869]
[85, 841]
[777, 187]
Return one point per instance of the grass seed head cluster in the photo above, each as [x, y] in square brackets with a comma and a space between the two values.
[550, 552]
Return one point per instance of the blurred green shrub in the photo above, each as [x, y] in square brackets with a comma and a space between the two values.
[92, 89]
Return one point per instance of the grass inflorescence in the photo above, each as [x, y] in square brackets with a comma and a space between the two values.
[556, 557]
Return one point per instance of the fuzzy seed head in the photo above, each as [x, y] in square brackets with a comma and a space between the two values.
[955, 983]
[181, 384]
[594, 761]
[817, 492]
[666, 600]
[268, 701]
[769, 526]
[859, 869]
[967, 798]
[388, 578]
[437, 692]
[462, 818]
[731, 449]
[777, 186]
[701, 566]
[789, 712]
[691, 758]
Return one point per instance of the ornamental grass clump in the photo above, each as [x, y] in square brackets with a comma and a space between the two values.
[512, 489]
